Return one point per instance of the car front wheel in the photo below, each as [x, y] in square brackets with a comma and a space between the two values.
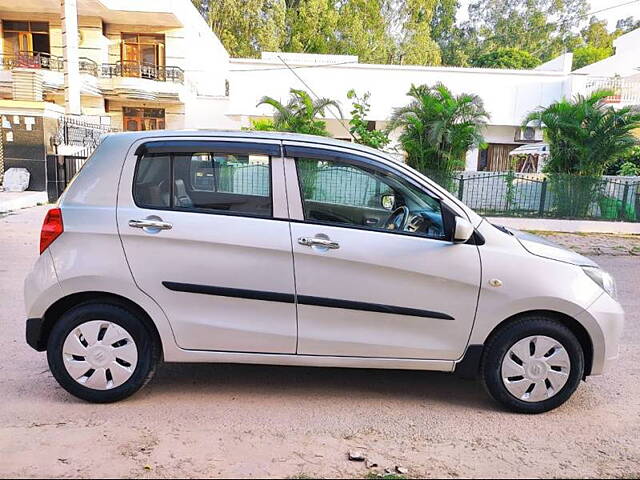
[532, 365]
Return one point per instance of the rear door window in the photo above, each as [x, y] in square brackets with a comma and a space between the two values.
[209, 182]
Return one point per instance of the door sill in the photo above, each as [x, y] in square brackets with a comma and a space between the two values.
[203, 356]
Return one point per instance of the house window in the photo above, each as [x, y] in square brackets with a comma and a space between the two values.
[25, 38]
[142, 55]
[138, 119]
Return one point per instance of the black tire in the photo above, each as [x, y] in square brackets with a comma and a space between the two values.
[502, 340]
[148, 350]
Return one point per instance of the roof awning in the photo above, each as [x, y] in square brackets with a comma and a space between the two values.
[541, 149]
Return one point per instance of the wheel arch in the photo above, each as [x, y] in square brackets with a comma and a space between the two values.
[64, 304]
[469, 366]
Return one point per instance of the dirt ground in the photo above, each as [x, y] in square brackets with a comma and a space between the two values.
[256, 421]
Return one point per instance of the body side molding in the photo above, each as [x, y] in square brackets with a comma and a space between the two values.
[303, 300]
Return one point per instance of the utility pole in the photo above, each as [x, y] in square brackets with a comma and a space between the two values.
[69, 17]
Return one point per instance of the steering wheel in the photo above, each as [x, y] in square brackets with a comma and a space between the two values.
[398, 219]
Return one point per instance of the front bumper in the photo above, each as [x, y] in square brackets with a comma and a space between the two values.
[604, 320]
[35, 334]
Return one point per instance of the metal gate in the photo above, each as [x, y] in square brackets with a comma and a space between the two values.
[74, 141]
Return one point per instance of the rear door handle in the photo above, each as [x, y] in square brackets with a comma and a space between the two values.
[151, 224]
[318, 242]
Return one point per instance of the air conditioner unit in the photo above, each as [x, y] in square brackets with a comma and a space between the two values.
[528, 135]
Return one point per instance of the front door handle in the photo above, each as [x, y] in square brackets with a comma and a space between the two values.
[150, 224]
[318, 242]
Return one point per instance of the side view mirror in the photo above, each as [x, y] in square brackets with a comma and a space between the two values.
[388, 201]
[462, 231]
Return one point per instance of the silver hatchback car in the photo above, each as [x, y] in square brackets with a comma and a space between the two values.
[269, 248]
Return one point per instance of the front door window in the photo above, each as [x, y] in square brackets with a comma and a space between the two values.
[138, 119]
[345, 194]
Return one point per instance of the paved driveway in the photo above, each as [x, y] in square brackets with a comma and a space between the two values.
[224, 420]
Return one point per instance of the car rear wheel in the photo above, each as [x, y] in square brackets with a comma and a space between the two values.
[532, 365]
[101, 352]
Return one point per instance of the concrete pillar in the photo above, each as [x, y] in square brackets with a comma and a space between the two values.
[472, 160]
[69, 17]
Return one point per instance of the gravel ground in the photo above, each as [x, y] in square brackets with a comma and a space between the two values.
[255, 421]
[596, 244]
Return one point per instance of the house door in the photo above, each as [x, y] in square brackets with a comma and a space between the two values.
[498, 157]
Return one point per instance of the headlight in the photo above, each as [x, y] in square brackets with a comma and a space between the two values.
[602, 278]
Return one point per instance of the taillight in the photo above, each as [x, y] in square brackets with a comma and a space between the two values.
[51, 228]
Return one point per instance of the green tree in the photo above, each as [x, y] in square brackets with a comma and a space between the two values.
[248, 27]
[597, 35]
[462, 45]
[202, 7]
[359, 126]
[361, 30]
[630, 157]
[626, 25]
[439, 127]
[543, 28]
[597, 44]
[298, 115]
[589, 54]
[443, 20]
[415, 43]
[585, 136]
[507, 58]
[311, 27]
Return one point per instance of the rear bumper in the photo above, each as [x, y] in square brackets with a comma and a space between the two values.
[35, 337]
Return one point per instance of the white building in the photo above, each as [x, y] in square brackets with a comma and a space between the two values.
[149, 64]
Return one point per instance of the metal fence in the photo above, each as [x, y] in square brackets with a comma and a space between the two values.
[340, 185]
[493, 193]
[553, 196]
[245, 179]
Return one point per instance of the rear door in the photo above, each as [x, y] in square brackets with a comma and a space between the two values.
[368, 285]
[203, 225]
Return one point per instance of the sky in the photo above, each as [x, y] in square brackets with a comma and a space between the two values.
[612, 16]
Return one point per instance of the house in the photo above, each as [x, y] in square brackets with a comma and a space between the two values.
[71, 70]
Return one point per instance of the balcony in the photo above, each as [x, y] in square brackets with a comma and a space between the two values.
[32, 60]
[149, 71]
[625, 92]
[45, 61]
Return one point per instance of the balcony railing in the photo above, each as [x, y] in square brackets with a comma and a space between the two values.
[624, 91]
[143, 70]
[32, 60]
[86, 65]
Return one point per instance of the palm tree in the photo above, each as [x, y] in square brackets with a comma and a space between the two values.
[298, 115]
[439, 127]
[585, 136]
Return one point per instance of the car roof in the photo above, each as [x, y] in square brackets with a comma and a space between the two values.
[251, 134]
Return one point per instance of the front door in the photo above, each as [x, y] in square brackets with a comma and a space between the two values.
[376, 274]
[200, 235]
